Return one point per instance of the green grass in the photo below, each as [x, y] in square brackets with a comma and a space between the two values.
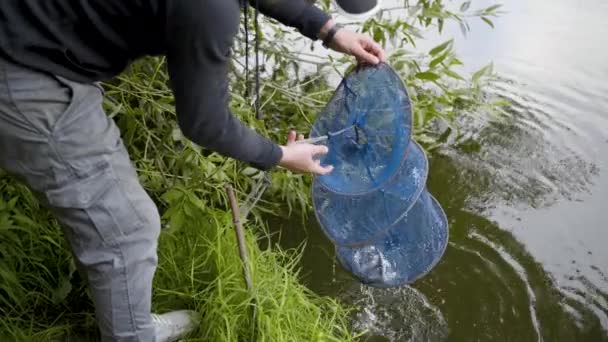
[199, 268]
[40, 295]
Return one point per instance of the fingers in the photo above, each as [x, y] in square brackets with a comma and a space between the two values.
[361, 46]
[375, 49]
[365, 56]
[382, 55]
[300, 157]
[321, 170]
[291, 137]
[317, 167]
[370, 51]
[319, 149]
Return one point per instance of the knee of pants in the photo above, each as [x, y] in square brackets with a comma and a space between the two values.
[104, 210]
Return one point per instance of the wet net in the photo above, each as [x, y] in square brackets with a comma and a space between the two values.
[374, 206]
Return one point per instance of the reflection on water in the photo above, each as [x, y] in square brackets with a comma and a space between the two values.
[519, 161]
[526, 196]
[540, 300]
[521, 272]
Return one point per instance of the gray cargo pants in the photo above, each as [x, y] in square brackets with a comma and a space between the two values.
[55, 135]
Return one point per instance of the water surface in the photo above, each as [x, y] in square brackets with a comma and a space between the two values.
[527, 198]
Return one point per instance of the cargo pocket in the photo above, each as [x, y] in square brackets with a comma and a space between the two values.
[37, 99]
[98, 199]
[99, 86]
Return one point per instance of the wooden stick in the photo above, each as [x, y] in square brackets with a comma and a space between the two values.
[240, 236]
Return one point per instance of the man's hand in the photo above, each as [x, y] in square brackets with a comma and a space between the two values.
[361, 46]
[299, 157]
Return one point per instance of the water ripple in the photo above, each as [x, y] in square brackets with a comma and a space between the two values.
[402, 314]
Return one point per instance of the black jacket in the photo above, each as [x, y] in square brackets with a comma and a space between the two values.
[94, 40]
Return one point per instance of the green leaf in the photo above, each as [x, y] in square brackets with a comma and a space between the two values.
[453, 74]
[413, 10]
[465, 6]
[61, 293]
[174, 195]
[176, 221]
[428, 75]
[399, 65]
[456, 61]
[481, 72]
[415, 32]
[488, 21]
[166, 107]
[439, 59]
[431, 13]
[425, 139]
[463, 28]
[439, 48]
[177, 134]
[249, 171]
[200, 204]
[378, 34]
[445, 135]
[492, 8]
[11, 204]
[501, 102]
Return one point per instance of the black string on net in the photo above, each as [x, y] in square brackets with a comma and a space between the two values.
[245, 3]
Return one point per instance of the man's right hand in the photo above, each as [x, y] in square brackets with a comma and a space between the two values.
[299, 157]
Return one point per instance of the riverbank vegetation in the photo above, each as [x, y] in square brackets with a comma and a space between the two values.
[41, 295]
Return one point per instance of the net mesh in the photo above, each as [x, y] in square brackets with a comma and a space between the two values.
[374, 206]
[353, 220]
[368, 125]
[409, 250]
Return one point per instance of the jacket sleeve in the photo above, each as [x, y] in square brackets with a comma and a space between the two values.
[300, 14]
[198, 60]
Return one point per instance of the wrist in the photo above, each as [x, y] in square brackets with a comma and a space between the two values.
[325, 29]
[330, 35]
[285, 156]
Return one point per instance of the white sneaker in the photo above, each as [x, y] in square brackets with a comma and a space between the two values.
[172, 325]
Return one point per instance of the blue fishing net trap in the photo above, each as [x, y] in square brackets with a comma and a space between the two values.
[387, 229]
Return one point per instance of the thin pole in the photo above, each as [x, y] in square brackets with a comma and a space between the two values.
[240, 236]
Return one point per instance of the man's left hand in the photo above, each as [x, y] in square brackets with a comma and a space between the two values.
[359, 45]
